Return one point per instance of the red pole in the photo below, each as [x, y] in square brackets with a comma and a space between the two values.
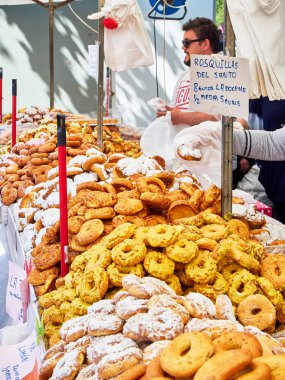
[61, 142]
[14, 111]
[1, 94]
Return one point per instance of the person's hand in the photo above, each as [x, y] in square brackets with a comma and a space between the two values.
[160, 113]
[244, 165]
[175, 115]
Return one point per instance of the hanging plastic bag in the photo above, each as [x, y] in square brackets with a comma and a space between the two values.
[127, 44]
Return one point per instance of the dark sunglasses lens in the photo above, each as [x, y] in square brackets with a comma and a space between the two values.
[186, 43]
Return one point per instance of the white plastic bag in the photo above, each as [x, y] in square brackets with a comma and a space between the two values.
[127, 46]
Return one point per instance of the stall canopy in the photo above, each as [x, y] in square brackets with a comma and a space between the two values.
[21, 2]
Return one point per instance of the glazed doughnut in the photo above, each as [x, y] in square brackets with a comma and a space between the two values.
[162, 324]
[162, 235]
[94, 285]
[202, 269]
[129, 306]
[241, 285]
[271, 293]
[256, 310]
[224, 365]
[119, 234]
[174, 283]
[166, 177]
[68, 366]
[196, 199]
[130, 252]
[214, 231]
[121, 184]
[157, 264]
[224, 308]
[155, 200]
[155, 185]
[244, 259]
[237, 227]
[114, 364]
[116, 273]
[238, 340]
[186, 354]
[273, 268]
[256, 371]
[199, 306]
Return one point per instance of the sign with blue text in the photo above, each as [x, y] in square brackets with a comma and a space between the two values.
[219, 85]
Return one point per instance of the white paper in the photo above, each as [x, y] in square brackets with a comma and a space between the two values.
[14, 304]
[219, 85]
[93, 60]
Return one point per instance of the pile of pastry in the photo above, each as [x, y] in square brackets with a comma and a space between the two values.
[207, 255]
[147, 330]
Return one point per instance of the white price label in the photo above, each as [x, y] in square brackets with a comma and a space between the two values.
[93, 59]
[14, 302]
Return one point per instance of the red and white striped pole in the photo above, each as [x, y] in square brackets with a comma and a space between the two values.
[14, 111]
[61, 142]
[1, 94]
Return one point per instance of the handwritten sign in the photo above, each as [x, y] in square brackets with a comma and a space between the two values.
[25, 295]
[14, 304]
[20, 360]
[219, 85]
[93, 59]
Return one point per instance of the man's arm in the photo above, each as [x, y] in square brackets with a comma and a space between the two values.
[188, 118]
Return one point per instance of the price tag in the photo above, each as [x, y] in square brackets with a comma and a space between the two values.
[219, 85]
[14, 305]
[20, 361]
[93, 59]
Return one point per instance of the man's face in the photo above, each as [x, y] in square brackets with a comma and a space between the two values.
[194, 47]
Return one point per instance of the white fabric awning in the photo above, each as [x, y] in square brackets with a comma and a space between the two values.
[22, 2]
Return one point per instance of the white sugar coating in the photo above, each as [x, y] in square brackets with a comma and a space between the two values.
[52, 172]
[72, 324]
[27, 237]
[162, 323]
[239, 210]
[113, 358]
[101, 347]
[119, 295]
[159, 285]
[79, 160]
[35, 142]
[81, 344]
[27, 211]
[129, 166]
[31, 111]
[185, 151]
[202, 304]
[255, 331]
[72, 169]
[154, 350]
[134, 325]
[253, 215]
[151, 173]
[148, 164]
[115, 156]
[103, 322]
[102, 307]
[66, 365]
[263, 236]
[95, 152]
[165, 300]
[131, 280]
[102, 169]
[85, 177]
[48, 217]
[203, 324]
[224, 308]
[129, 306]
[40, 234]
[53, 199]
[88, 373]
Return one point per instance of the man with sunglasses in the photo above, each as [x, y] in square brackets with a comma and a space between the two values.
[200, 37]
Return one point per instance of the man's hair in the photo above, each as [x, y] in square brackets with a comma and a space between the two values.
[204, 28]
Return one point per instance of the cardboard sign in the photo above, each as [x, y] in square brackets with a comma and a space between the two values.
[219, 85]
[14, 304]
[20, 360]
[93, 59]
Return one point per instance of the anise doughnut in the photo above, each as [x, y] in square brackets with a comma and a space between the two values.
[214, 231]
[202, 269]
[162, 235]
[90, 231]
[186, 354]
[156, 200]
[117, 273]
[129, 252]
[157, 264]
[128, 206]
[182, 251]
[94, 285]
[256, 310]
[237, 227]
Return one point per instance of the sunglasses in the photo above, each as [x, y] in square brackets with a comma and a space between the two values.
[186, 43]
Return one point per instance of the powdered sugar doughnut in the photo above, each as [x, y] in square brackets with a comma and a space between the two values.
[74, 329]
[106, 345]
[154, 350]
[116, 363]
[212, 327]
[68, 366]
[88, 373]
[129, 306]
[104, 325]
[162, 324]
[120, 295]
[165, 300]
[103, 307]
[199, 306]
[189, 154]
[134, 327]
[224, 308]
[135, 286]
[80, 345]
[47, 365]
[85, 177]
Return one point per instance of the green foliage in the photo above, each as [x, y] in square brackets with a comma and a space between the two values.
[219, 11]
